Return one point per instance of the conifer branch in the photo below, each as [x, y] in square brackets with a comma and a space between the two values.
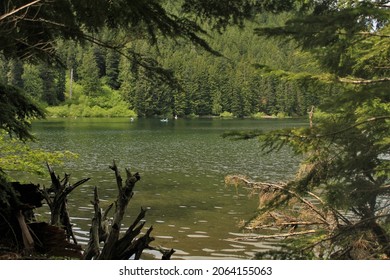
[373, 119]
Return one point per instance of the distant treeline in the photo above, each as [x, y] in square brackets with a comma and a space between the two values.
[106, 83]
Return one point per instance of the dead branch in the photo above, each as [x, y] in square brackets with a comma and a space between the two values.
[125, 193]
[283, 188]
[14, 11]
[272, 236]
[56, 198]
[93, 248]
[283, 224]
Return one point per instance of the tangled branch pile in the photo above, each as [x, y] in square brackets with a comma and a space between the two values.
[308, 227]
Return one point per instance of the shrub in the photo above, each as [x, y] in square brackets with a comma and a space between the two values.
[58, 111]
[226, 114]
[259, 115]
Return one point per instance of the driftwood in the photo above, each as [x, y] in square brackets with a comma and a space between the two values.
[116, 247]
[56, 238]
[99, 229]
[56, 198]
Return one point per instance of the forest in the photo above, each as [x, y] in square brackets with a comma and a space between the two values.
[232, 83]
[325, 60]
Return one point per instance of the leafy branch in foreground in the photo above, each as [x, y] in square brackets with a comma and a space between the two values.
[17, 110]
[16, 155]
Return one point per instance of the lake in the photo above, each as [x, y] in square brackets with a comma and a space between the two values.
[182, 164]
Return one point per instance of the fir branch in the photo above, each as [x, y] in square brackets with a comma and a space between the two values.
[373, 119]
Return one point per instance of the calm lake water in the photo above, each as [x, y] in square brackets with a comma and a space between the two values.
[182, 164]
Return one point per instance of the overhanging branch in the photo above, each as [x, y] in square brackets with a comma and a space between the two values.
[14, 11]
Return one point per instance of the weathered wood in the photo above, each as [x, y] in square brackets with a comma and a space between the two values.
[28, 241]
[105, 242]
[311, 115]
[167, 254]
[125, 193]
[99, 229]
[138, 246]
[93, 250]
[56, 198]
[115, 246]
[132, 232]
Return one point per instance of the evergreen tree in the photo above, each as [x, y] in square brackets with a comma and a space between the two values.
[32, 82]
[60, 84]
[89, 73]
[112, 69]
[342, 186]
[3, 70]
[47, 74]
[15, 72]
[100, 59]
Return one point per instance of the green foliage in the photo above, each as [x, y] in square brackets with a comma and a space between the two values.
[15, 155]
[89, 73]
[203, 84]
[15, 72]
[346, 165]
[226, 114]
[72, 19]
[112, 71]
[32, 82]
[16, 111]
[258, 115]
[109, 104]
[209, 85]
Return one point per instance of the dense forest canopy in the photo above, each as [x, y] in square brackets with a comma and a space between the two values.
[30, 30]
[330, 57]
[205, 84]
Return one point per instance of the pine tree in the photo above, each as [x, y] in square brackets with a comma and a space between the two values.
[3, 70]
[32, 82]
[337, 206]
[112, 69]
[60, 84]
[89, 73]
[15, 72]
